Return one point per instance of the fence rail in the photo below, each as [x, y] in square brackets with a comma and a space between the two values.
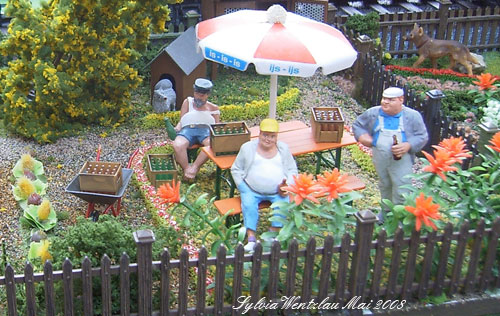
[476, 28]
[379, 272]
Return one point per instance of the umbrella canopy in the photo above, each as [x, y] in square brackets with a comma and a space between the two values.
[277, 42]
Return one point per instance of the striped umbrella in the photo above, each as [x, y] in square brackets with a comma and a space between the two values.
[277, 42]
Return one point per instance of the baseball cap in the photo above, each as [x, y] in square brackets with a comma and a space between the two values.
[202, 85]
[393, 92]
[269, 125]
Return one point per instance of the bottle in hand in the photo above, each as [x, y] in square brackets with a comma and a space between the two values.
[395, 142]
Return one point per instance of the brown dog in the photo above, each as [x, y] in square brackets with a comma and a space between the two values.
[433, 49]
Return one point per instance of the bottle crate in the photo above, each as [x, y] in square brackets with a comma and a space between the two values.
[227, 138]
[327, 124]
[100, 176]
[161, 168]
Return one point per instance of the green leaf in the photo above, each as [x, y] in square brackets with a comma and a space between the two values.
[201, 200]
[407, 220]
[449, 191]
[242, 233]
[298, 219]
[493, 177]
[215, 246]
[31, 213]
[186, 222]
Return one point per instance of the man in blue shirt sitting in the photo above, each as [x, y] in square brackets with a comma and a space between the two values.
[377, 128]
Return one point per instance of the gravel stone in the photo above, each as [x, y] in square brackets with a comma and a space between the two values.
[63, 159]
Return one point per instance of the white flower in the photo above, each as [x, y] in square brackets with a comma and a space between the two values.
[492, 112]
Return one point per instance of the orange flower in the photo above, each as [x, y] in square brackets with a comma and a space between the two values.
[485, 81]
[456, 147]
[170, 193]
[495, 141]
[333, 183]
[304, 188]
[442, 163]
[424, 210]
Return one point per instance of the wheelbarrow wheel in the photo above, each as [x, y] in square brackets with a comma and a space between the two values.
[95, 216]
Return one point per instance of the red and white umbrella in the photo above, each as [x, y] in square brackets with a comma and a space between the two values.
[277, 42]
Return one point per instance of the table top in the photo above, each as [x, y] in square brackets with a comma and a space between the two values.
[296, 135]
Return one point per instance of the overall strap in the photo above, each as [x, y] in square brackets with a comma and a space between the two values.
[380, 124]
[401, 122]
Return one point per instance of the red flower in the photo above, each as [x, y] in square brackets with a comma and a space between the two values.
[424, 210]
[456, 147]
[495, 141]
[333, 183]
[304, 188]
[170, 193]
[429, 70]
[485, 81]
[442, 162]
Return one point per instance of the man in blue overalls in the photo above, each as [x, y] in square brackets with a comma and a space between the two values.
[378, 127]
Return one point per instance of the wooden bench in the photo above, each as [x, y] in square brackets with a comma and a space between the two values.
[233, 205]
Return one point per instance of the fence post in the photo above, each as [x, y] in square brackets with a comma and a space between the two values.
[144, 240]
[432, 117]
[444, 5]
[365, 221]
[332, 12]
[364, 45]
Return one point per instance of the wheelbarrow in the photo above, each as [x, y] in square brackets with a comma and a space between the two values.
[113, 201]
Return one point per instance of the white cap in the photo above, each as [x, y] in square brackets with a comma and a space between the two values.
[393, 92]
[202, 85]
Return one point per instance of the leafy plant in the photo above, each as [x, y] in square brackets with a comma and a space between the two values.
[72, 63]
[29, 167]
[198, 219]
[40, 216]
[25, 187]
[111, 237]
[458, 104]
[367, 24]
[307, 216]
[458, 194]
[251, 110]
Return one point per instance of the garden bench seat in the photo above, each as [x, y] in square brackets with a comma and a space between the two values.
[233, 204]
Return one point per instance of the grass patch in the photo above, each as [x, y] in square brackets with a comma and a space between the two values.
[239, 87]
[492, 60]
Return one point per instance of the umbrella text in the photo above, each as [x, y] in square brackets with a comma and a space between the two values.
[290, 69]
[225, 59]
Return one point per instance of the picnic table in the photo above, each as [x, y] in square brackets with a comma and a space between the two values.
[299, 138]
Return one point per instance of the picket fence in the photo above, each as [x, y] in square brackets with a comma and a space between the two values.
[383, 275]
[477, 28]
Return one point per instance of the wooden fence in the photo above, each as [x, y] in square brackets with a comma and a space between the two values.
[477, 28]
[384, 274]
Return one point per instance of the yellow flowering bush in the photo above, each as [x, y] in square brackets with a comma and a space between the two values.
[228, 113]
[72, 63]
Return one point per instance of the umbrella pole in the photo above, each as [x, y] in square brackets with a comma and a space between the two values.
[273, 93]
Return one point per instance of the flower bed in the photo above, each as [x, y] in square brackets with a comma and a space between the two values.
[154, 203]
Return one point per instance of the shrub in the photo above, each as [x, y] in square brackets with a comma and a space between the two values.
[367, 24]
[251, 110]
[72, 65]
[458, 103]
[111, 237]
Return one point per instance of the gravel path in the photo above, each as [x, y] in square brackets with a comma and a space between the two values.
[63, 159]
